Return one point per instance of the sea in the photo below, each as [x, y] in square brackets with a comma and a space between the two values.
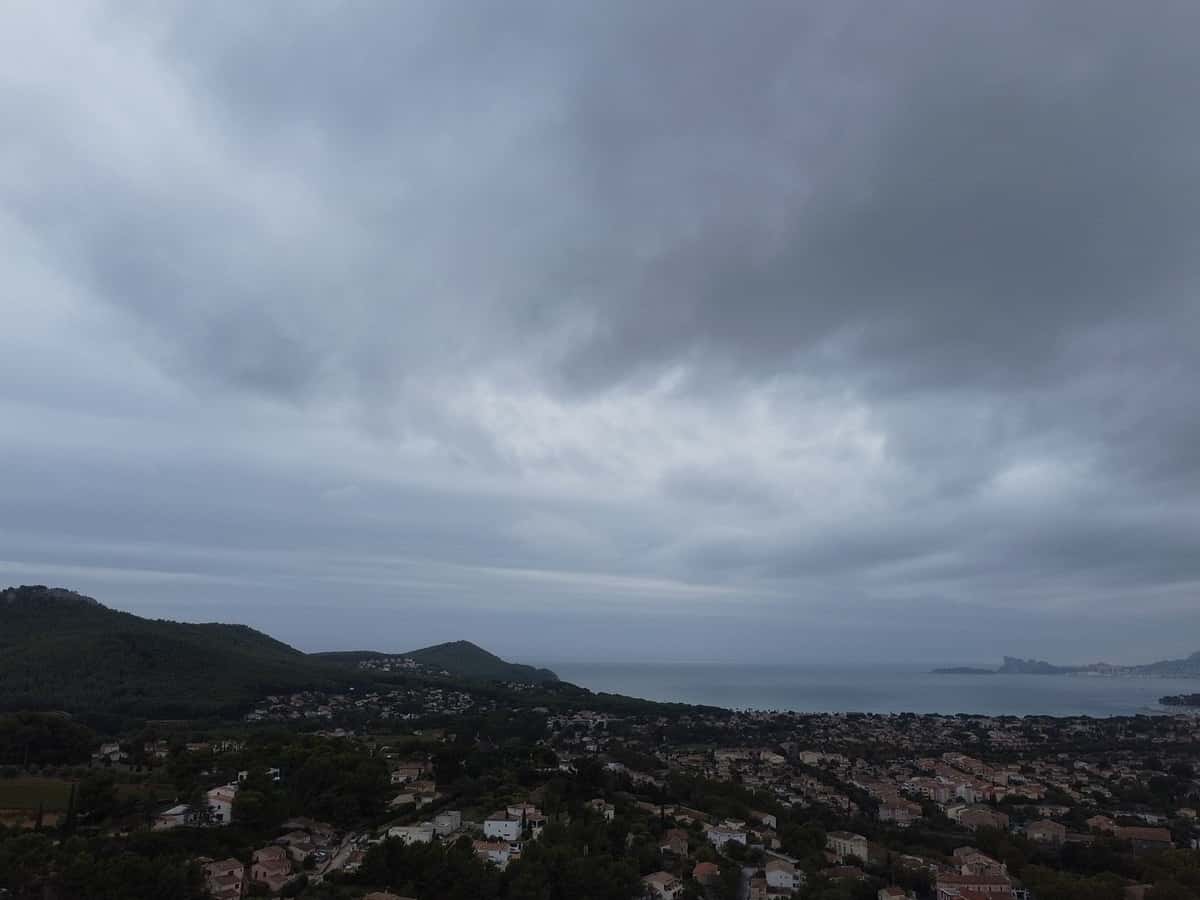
[879, 688]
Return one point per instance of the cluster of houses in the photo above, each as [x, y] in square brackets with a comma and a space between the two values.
[400, 664]
[964, 788]
[274, 866]
[1042, 794]
[414, 778]
[779, 877]
[972, 874]
[400, 704]
[215, 811]
[504, 832]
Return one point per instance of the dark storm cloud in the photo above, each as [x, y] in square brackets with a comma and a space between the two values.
[1016, 181]
[780, 313]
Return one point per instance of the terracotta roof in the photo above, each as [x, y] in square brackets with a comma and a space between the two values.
[953, 879]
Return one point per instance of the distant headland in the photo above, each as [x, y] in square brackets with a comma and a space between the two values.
[1189, 700]
[1187, 667]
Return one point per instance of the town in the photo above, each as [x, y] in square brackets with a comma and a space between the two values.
[431, 792]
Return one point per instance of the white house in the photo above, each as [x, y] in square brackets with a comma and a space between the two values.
[845, 844]
[529, 815]
[766, 818]
[111, 753]
[502, 826]
[173, 817]
[412, 834]
[782, 875]
[447, 821]
[720, 835]
[220, 803]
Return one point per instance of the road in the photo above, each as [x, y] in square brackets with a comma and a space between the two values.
[339, 858]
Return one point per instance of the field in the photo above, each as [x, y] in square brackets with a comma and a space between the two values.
[31, 792]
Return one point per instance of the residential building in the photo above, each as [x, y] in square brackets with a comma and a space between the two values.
[110, 753]
[503, 826]
[675, 841]
[272, 867]
[530, 817]
[406, 772]
[663, 885]
[845, 845]
[447, 821]
[1046, 831]
[220, 803]
[173, 817]
[990, 886]
[225, 879]
[406, 798]
[720, 835]
[974, 862]
[782, 875]
[765, 818]
[300, 845]
[412, 834]
[975, 817]
[897, 809]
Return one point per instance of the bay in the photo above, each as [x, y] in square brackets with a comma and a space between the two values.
[877, 688]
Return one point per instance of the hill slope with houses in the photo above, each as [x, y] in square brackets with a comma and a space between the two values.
[61, 650]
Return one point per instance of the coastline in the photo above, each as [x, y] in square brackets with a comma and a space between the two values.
[877, 688]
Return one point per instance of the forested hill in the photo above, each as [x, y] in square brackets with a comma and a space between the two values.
[62, 650]
[461, 659]
[467, 660]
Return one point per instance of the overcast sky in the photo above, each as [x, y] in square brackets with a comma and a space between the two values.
[609, 330]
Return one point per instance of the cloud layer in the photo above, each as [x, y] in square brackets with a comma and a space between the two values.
[760, 331]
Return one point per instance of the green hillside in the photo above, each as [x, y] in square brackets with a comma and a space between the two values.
[461, 659]
[467, 660]
[61, 650]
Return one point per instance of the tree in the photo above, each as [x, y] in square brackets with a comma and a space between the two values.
[98, 796]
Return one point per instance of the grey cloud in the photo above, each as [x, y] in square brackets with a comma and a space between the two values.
[999, 203]
[810, 311]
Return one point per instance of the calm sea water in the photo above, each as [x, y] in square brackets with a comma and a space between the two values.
[877, 689]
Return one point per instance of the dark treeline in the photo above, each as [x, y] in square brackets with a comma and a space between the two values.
[43, 739]
[35, 866]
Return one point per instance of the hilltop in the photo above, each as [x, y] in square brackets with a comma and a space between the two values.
[461, 659]
[468, 660]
